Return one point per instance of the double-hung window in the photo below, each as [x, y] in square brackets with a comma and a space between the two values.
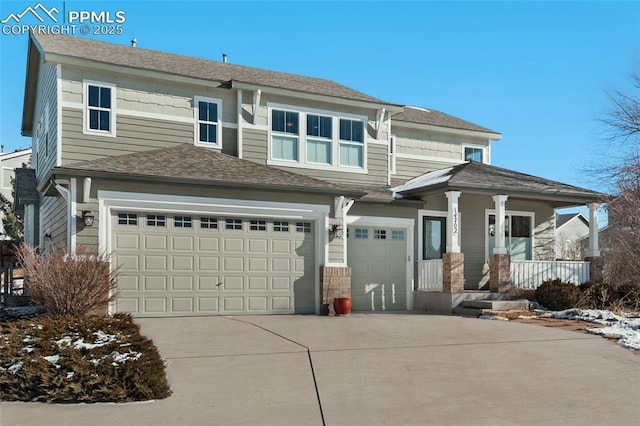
[351, 143]
[209, 126]
[99, 108]
[285, 135]
[319, 139]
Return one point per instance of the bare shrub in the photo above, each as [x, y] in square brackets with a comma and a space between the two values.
[65, 283]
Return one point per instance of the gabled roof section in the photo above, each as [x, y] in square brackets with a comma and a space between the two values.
[190, 164]
[563, 219]
[189, 66]
[479, 177]
[432, 117]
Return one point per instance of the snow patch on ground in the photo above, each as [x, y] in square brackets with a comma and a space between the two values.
[78, 342]
[493, 318]
[625, 329]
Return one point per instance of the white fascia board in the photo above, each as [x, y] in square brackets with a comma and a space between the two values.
[316, 97]
[176, 203]
[10, 155]
[451, 130]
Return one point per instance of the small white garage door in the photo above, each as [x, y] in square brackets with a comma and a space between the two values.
[178, 265]
[378, 260]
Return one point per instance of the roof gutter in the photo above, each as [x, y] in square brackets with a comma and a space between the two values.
[235, 84]
[451, 130]
[65, 171]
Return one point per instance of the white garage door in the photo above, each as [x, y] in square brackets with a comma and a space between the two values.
[174, 265]
[378, 260]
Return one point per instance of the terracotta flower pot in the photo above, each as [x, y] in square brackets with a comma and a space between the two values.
[342, 305]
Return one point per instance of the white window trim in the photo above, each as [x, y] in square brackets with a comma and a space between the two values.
[433, 213]
[196, 122]
[507, 241]
[484, 149]
[302, 139]
[85, 109]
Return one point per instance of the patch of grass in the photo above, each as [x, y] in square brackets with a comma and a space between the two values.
[79, 359]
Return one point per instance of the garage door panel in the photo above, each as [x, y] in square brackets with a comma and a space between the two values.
[127, 241]
[208, 304]
[128, 262]
[182, 283]
[182, 304]
[182, 243]
[208, 244]
[155, 305]
[155, 242]
[155, 263]
[169, 270]
[206, 283]
[233, 245]
[152, 283]
[207, 263]
[257, 246]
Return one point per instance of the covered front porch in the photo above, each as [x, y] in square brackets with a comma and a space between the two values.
[485, 230]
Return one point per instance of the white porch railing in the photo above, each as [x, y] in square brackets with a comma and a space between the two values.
[430, 275]
[529, 274]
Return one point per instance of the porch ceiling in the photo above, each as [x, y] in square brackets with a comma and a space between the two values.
[485, 179]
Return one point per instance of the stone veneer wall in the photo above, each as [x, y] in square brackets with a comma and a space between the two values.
[499, 273]
[453, 272]
[335, 281]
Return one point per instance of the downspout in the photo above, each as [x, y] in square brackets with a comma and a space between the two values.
[66, 194]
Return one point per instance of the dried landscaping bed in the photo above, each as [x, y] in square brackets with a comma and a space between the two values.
[79, 359]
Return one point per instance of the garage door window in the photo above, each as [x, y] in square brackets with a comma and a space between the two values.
[379, 234]
[156, 220]
[127, 219]
[182, 221]
[233, 224]
[397, 235]
[303, 227]
[258, 225]
[362, 234]
[281, 226]
[208, 222]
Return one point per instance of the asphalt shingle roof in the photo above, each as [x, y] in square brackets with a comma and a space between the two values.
[479, 176]
[437, 118]
[194, 164]
[189, 66]
[561, 219]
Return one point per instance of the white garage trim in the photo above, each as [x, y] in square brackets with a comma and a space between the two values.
[108, 201]
[395, 222]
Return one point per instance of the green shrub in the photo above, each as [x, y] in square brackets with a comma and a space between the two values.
[65, 283]
[79, 359]
[557, 296]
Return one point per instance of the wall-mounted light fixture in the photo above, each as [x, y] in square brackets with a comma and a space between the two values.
[336, 230]
[87, 217]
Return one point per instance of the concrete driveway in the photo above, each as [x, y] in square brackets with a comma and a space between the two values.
[370, 369]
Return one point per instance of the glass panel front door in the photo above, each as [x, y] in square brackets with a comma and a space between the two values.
[434, 242]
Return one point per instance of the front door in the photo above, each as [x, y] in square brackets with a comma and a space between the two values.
[434, 234]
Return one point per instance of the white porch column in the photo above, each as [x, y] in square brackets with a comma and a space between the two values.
[594, 247]
[500, 202]
[453, 222]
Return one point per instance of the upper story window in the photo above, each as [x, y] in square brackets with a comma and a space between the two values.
[285, 135]
[311, 138]
[351, 143]
[99, 108]
[473, 153]
[209, 123]
[319, 138]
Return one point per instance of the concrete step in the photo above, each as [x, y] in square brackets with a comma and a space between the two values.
[497, 305]
[468, 312]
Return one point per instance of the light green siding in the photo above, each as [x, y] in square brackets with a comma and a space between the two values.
[53, 216]
[44, 145]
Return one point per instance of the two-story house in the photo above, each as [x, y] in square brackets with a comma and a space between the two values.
[218, 188]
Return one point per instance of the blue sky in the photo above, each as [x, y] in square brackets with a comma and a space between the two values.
[535, 71]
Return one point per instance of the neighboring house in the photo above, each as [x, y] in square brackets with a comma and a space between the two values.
[9, 161]
[571, 231]
[224, 189]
